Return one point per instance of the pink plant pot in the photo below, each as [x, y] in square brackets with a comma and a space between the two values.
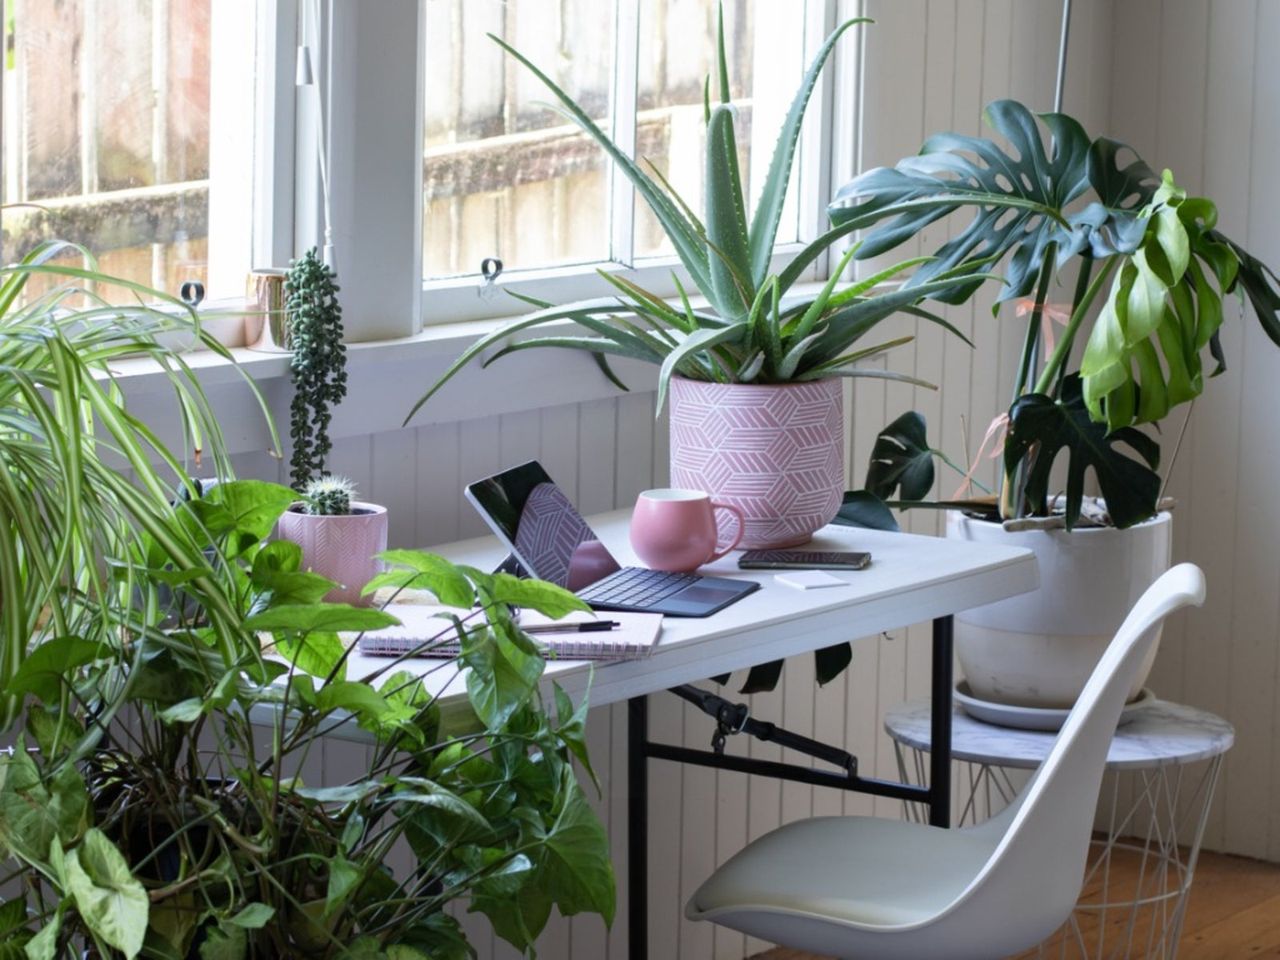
[774, 451]
[342, 548]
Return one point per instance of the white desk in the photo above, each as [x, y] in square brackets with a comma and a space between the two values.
[911, 579]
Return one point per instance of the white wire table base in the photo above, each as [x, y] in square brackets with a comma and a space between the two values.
[1139, 871]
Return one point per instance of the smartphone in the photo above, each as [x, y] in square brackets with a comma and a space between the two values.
[803, 560]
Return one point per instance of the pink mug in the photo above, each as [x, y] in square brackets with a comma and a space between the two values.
[675, 530]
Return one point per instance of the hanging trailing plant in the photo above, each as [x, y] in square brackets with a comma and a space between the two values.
[318, 367]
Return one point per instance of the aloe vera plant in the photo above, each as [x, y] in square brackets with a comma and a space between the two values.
[1156, 252]
[754, 330]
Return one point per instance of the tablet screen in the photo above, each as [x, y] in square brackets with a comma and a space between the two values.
[544, 530]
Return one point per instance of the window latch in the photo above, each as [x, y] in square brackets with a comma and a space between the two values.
[490, 270]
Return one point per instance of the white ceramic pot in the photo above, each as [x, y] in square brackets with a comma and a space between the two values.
[342, 548]
[774, 451]
[1039, 648]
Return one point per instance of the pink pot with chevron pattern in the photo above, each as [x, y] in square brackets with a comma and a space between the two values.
[342, 548]
[774, 451]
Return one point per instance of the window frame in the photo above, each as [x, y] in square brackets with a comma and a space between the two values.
[457, 299]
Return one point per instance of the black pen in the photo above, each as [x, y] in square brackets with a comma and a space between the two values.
[591, 626]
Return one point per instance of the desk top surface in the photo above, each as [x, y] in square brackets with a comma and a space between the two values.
[911, 579]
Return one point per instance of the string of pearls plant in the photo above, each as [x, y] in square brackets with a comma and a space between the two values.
[318, 366]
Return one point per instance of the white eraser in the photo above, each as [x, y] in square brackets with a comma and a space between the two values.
[809, 579]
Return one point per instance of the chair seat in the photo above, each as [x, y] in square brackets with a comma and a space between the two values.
[851, 872]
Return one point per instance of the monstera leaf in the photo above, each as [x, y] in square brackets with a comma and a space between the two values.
[901, 458]
[1018, 197]
[1165, 302]
[1041, 427]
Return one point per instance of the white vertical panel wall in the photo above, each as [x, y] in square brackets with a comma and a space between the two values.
[1192, 85]
[1197, 90]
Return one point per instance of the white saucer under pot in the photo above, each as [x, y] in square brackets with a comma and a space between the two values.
[1039, 648]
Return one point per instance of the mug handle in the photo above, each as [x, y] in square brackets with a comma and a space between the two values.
[742, 528]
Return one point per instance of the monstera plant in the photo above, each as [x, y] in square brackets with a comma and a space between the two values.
[1151, 255]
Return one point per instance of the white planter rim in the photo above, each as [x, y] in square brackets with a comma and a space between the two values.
[366, 510]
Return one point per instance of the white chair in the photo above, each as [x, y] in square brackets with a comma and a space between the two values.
[860, 887]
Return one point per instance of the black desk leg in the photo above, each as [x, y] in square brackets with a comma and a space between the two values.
[638, 828]
[940, 725]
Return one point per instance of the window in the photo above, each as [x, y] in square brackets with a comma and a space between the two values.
[108, 108]
[506, 177]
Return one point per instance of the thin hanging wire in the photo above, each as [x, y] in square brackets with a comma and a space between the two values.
[306, 77]
[1062, 56]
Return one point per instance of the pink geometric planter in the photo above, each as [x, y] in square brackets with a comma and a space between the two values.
[342, 548]
[776, 452]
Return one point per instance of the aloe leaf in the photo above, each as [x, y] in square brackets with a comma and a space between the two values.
[730, 271]
[688, 211]
[591, 344]
[873, 374]
[815, 372]
[694, 343]
[721, 60]
[751, 369]
[855, 290]
[572, 311]
[795, 354]
[682, 234]
[764, 226]
[651, 301]
[807, 256]
[818, 307]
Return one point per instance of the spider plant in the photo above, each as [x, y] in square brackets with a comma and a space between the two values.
[81, 476]
[753, 329]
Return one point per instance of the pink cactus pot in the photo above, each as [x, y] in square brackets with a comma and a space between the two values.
[342, 548]
[774, 451]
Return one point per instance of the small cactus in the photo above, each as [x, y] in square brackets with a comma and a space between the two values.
[329, 496]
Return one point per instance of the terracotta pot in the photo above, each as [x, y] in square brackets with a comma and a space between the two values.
[774, 451]
[342, 548]
[1038, 649]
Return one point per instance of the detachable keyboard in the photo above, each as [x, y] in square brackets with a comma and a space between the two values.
[636, 587]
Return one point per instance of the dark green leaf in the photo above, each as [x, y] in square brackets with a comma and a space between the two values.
[762, 678]
[1018, 197]
[1040, 427]
[901, 458]
[863, 509]
[830, 662]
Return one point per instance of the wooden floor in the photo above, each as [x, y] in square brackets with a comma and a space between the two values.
[1234, 912]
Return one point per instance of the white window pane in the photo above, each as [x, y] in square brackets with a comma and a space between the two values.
[677, 52]
[504, 176]
[107, 107]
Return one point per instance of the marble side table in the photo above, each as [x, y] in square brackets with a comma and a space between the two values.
[1152, 813]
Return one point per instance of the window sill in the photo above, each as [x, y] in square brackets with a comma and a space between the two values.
[386, 378]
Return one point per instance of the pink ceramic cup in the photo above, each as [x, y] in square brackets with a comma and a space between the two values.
[675, 530]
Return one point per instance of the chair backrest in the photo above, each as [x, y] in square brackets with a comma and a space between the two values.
[1033, 878]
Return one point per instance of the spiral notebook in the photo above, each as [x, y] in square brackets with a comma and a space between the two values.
[634, 639]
